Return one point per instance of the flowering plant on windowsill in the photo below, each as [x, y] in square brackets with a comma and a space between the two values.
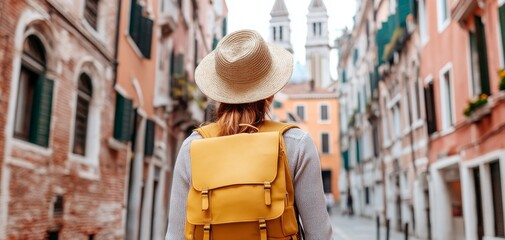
[475, 104]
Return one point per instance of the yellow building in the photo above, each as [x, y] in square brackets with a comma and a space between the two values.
[315, 110]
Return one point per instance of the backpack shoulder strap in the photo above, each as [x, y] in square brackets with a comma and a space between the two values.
[271, 126]
[208, 131]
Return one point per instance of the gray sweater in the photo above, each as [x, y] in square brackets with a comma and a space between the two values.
[306, 171]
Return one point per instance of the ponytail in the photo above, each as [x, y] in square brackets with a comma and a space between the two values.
[242, 118]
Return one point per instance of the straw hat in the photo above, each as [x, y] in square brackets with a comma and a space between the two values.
[243, 69]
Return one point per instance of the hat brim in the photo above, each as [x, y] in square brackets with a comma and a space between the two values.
[217, 89]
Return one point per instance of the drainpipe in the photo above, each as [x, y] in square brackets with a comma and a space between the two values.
[134, 208]
[116, 41]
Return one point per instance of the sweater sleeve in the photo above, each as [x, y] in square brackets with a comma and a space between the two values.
[180, 188]
[309, 194]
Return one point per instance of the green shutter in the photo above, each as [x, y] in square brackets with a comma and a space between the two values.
[345, 158]
[150, 138]
[40, 125]
[135, 14]
[123, 119]
[482, 50]
[405, 8]
[501, 11]
[344, 77]
[225, 27]
[180, 64]
[277, 104]
[358, 152]
[214, 42]
[146, 36]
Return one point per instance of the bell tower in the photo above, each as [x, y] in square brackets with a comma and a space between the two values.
[317, 46]
[280, 30]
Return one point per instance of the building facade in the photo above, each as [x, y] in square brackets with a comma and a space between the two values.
[58, 71]
[97, 96]
[156, 79]
[440, 101]
[314, 110]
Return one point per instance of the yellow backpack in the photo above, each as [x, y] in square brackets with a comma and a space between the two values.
[241, 186]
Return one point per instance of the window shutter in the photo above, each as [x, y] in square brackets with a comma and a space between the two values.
[41, 112]
[499, 224]
[135, 14]
[225, 27]
[150, 136]
[430, 109]
[501, 11]
[345, 157]
[123, 119]
[482, 50]
[358, 152]
[146, 36]
[180, 63]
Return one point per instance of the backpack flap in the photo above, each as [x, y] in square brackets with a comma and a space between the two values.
[236, 178]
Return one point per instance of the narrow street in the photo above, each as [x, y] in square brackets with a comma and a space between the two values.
[359, 228]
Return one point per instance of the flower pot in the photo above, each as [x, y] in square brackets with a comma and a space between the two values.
[479, 113]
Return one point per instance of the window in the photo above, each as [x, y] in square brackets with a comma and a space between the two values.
[91, 13]
[429, 104]
[496, 184]
[320, 29]
[274, 29]
[84, 95]
[324, 113]
[58, 206]
[367, 195]
[447, 103]
[416, 99]
[325, 143]
[314, 28]
[501, 12]
[423, 21]
[35, 93]
[443, 14]
[141, 29]
[123, 119]
[53, 235]
[396, 121]
[280, 33]
[150, 138]
[478, 57]
[300, 111]
[326, 175]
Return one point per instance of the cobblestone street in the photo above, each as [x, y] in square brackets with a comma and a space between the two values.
[359, 228]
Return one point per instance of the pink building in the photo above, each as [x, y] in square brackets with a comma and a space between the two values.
[467, 157]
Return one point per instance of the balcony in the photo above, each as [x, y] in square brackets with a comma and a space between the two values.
[169, 16]
[395, 31]
[462, 9]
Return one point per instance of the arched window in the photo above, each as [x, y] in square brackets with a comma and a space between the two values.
[84, 95]
[34, 96]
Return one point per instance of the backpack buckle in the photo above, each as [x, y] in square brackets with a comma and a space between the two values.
[205, 199]
[206, 232]
[268, 193]
[263, 229]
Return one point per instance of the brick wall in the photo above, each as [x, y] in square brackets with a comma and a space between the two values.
[93, 194]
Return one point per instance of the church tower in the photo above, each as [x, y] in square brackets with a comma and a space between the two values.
[280, 30]
[317, 46]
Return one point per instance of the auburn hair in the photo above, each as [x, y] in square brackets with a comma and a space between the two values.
[242, 118]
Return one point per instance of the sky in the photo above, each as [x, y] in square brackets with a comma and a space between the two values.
[255, 14]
